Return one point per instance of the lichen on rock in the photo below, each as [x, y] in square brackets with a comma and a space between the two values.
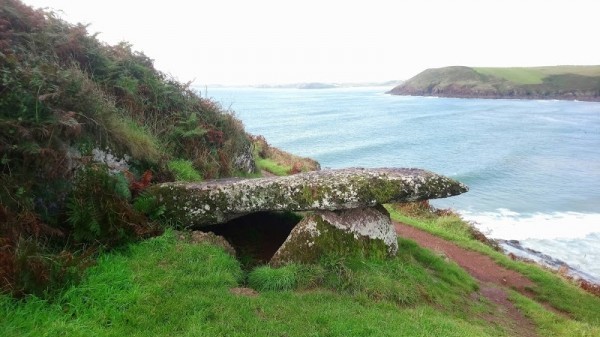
[217, 201]
[359, 231]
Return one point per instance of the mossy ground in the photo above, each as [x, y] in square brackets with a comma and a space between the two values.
[163, 287]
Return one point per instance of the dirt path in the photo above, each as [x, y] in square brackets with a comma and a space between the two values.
[493, 279]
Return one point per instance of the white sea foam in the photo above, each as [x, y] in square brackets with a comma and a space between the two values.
[508, 225]
[571, 237]
[581, 254]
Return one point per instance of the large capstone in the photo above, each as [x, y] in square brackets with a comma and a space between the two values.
[359, 231]
[218, 201]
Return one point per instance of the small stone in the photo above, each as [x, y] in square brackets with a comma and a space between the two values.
[212, 238]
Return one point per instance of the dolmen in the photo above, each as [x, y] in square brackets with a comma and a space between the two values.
[342, 209]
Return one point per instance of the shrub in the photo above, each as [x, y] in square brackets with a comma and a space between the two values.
[31, 261]
[38, 270]
[148, 205]
[184, 170]
[98, 209]
[62, 95]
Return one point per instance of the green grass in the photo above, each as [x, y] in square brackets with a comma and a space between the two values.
[136, 139]
[549, 287]
[578, 70]
[536, 75]
[166, 287]
[184, 170]
[266, 278]
[550, 323]
[551, 82]
[516, 75]
[270, 165]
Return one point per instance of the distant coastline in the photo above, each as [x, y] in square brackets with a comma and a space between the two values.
[309, 85]
[559, 82]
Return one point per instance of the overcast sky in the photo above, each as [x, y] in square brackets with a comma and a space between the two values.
[260, 41]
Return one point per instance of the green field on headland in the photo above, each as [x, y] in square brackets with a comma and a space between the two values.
[557, 82]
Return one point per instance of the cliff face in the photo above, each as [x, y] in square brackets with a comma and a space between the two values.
[563, 82]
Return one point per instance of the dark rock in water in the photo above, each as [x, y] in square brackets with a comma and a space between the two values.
[359, 231]
[217, 201]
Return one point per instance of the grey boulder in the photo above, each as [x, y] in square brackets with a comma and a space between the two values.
[358, 231]
[218, 201]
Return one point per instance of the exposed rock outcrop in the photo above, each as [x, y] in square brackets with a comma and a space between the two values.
[359, 231]
[243, 161]
[214, 202]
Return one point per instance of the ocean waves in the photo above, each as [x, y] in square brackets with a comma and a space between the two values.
[557, 239]
[533, 167]
[509, 225]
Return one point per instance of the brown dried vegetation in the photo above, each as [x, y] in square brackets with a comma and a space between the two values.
[63, 94]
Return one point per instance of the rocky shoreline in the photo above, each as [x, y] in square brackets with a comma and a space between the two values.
[515, 250]
[466, 94]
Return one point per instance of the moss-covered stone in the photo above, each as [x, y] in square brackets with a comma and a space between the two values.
[360, 231]
[217, 201]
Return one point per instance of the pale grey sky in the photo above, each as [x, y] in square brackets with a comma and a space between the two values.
[270, 41]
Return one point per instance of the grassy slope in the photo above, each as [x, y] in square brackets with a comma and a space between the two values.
[165, 287]
[70, 108]
[516, 75]
[279, 162]
[536, 75]
[583, 308]
[101, 95]
[566, 82]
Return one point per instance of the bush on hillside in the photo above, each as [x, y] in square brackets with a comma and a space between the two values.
[69, 105]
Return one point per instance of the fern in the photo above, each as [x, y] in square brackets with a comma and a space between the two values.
[189, 128]
[83, 216]
[98, 210]
[147, 204]
[121, 186]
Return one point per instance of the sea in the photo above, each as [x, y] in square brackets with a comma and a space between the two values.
[532, 166]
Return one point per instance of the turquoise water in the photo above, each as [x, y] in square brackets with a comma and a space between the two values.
[533, 167]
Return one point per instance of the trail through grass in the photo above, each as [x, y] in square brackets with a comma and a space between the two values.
[549, 287]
